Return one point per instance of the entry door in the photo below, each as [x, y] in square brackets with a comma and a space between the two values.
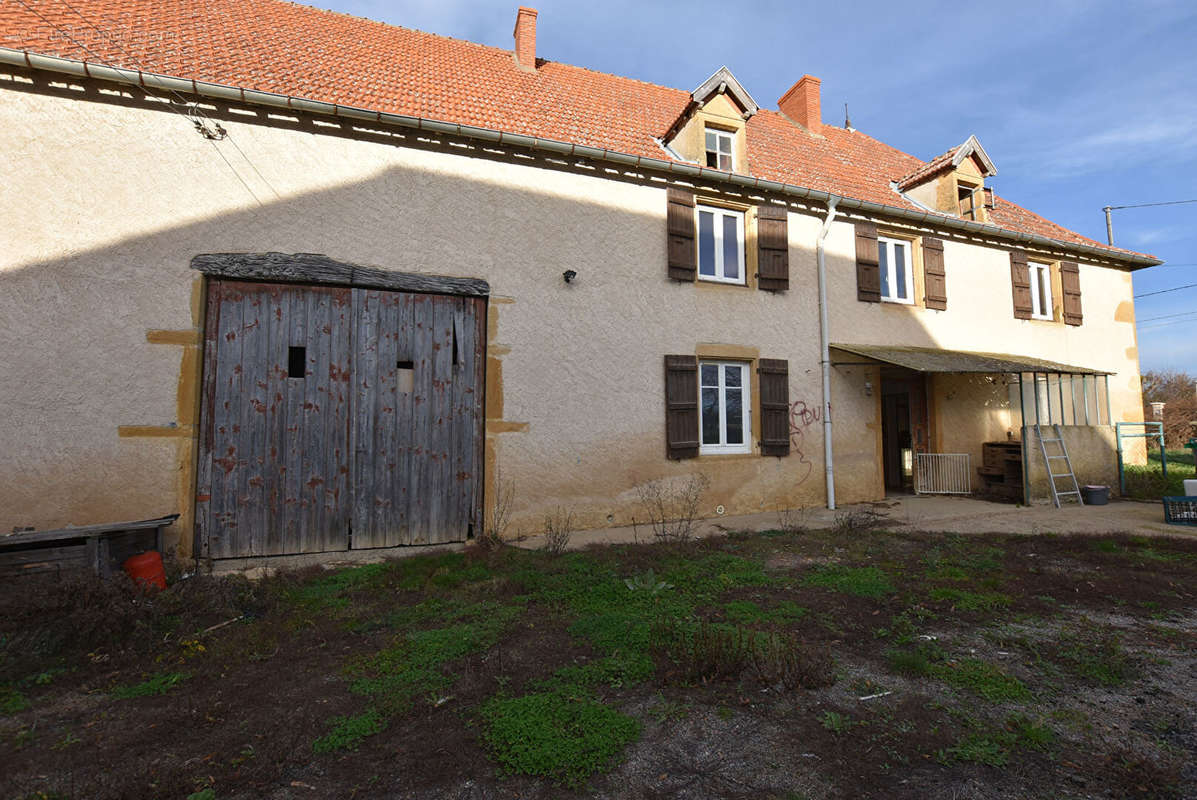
[274, 447]
[338, 418]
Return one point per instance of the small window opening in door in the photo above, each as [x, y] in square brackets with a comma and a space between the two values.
[297, 361]
[456, 358]
[405, 372]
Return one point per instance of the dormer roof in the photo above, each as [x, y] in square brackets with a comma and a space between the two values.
[950, 160]
[723, 82]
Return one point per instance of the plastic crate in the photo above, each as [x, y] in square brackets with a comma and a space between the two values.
[1180, 510]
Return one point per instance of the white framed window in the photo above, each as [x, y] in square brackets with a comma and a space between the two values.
[726, 422]
[1041, 291]
[720, 244]
[897, 275]
[719, 149]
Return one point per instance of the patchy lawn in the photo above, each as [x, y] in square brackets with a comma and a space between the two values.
[835, 664]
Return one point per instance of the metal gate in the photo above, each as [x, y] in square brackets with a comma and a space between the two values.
[337, 418]
[942, 473]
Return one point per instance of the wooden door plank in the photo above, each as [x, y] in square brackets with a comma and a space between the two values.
[227, 537]
[295, 502]
[276, 314]
[400, 466]
[203, 488]
[439, 441]
[423, 318]
[361, 434]
[255, 349]
[338, 500]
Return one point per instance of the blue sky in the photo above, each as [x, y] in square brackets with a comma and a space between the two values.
[1080, 104]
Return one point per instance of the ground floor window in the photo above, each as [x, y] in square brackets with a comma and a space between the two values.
[726, 423]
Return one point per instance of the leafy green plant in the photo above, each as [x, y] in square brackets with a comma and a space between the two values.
[647, 582]
[153, 686]
[557, 736]
[835, 722]
[859, 581]
[979, 677]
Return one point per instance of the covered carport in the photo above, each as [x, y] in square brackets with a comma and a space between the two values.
[964, 408]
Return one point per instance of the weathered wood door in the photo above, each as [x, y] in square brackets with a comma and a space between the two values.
[417, 417]
[337, 418]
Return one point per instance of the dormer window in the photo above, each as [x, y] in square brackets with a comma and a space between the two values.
[719, 149]
[969, 199]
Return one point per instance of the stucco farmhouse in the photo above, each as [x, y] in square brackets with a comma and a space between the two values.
[317, 283]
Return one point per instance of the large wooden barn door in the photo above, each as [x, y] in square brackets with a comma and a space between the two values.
[417, 418]
[274, 441]
[337, 418]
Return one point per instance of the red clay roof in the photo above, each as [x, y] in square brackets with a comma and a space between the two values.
[302, 51]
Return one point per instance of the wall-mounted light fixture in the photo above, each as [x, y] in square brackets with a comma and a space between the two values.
[569, 275]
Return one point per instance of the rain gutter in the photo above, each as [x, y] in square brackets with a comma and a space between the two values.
[218, 91]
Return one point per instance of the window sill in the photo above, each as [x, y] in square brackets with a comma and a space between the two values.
[721, 281]
[728, 452]
[896, 302]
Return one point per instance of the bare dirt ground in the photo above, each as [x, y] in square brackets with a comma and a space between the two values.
[842, 663]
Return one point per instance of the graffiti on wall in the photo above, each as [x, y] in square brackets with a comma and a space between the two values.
[802, 416]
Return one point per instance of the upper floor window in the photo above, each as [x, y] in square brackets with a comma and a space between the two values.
[897, 275]
[720, 244]
[1041, 291]
[719, 149]
[726, 427]
[970, 200]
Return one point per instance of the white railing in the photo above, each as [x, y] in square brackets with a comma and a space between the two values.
[942, 473]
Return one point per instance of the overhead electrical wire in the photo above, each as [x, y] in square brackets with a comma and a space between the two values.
[1148, 205]
[210, 135]
[1165, 291]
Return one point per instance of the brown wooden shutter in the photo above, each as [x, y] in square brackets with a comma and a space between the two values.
[868, 274]
[1020, 281]
[773, 249]
[683, 256]
[1070, 280]
[681, 406]
[934, 277]
[775, 406]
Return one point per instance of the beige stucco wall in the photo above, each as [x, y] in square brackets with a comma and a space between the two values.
[109, 199]
[1093, 453]
[113, 201]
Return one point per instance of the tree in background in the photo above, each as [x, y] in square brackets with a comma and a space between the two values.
[1178, 392]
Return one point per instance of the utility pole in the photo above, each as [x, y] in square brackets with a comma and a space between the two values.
[1110, 221]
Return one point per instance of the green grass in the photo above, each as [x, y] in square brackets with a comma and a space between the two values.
[11, 700]
[1148, 482]
[348, 732]
[979, 677]
[962, 600]
[748, 612]
[555, 735]
[988, 749]
[1099, 659]
[860, 581]
[151, 687]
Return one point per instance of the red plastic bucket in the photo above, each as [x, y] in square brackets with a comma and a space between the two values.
[146, 569]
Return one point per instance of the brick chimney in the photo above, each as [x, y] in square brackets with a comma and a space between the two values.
[801, 104]
[525, 38]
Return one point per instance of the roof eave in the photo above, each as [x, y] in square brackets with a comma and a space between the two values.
[149, 80]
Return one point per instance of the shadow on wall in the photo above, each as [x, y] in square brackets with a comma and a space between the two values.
[100, 342]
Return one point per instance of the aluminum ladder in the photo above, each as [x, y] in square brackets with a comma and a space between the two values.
[1048, 460]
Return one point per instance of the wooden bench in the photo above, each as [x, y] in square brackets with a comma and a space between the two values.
[100, 548]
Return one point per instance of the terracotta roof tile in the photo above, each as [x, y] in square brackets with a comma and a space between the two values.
[298, 50]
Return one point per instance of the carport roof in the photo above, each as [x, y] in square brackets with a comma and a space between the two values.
[933, 359]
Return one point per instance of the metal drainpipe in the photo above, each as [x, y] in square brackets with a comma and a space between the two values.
[825, 357]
